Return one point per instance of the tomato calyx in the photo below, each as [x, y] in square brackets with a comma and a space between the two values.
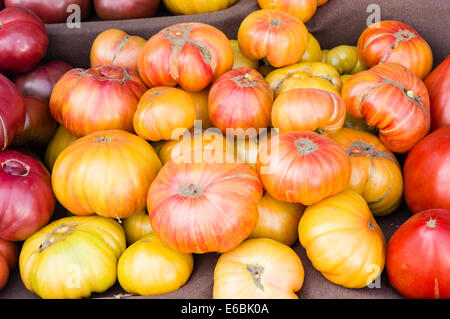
[363, 149]
[15, 167]
[370, 225]
[103, 139]
[402, 35]
[431, 223]
[256, 271]
[107, 73]
[275, 22]
[190, 190]
[305, 146]
[409, 94]
[59, 233]
[245, 80]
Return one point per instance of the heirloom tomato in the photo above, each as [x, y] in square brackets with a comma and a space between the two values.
[302, 9]
[72, 257]
[343, 240]
[200, 99]
[8, 260]
[107, 173]
[258, 269]
[179, 7]
[359, 124]
[125, 9]
[149, 267]
[137, 226]
[313, 51]
[58, 143]
[345, 59]
[247, 149]
[240, 60]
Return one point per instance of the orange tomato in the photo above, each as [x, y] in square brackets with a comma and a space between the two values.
[59, 142]
[106, 173]
[137, 226]
[302, 9]
[273, 34]
[258, 269]
[240, 60]
[164, 113]
[201, 106]
[343, 240]
[321, 2]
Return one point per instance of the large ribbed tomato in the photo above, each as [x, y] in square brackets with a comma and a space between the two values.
[438, 85]
[302, 9]
[376, 174]
[72, 257]
[204, 207]
[395, 42]
[8, 260]
[309, 110]
[59, 142]
[258, 269]
[273, 34]
[303, 167]
[107, 173]
[100, 98]
[197, 6]
[241, 100]
[392, 98]
[189, 54]
[427, 172]
[343, 240]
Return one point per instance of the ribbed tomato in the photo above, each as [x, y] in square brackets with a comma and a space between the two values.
[343, 240]
[189, 54]
[240, 100]
[204, 207]
[118, 48]
[417, 260]
[273, 34]
[302, 9]
[164, 113]
[197, 6]
[309, 110]
[395, 42]
[59, 142]
[258, 269]
[438, 85]
[8, 260]
[100, 98]
[345, 59]
[106, 173]
[376, 174]
[149, 267]
[392, 98]
[303, 167]
[137, 226]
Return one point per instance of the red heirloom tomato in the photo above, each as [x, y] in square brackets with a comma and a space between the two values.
[125, 9]
[417, 256]
[189, 54]
[273, 34]
[23, 40]
[427, 172]
[118, 48]
[310, 110]
[100, 98]
[40, 82]
[438, 85]
[240, 99]
[392, 98]
[107, 173]
[395, 42]
[204, 207]
[26, 197]
[303, 167]
[12, 112]
[302, 9]
[8, 260]
[39, 125]
[54, 11]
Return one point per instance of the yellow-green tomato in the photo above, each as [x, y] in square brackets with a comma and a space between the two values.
[137, 226]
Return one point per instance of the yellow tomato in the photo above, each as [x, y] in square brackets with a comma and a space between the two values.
[258, 269]
[240, 60]
[201, 106]
[137, 226]
[277, 220]
[72, 257]
[59, 142]
[343, 240]
[345, 59]
[149, 267]
[313, 51]
[179, 7]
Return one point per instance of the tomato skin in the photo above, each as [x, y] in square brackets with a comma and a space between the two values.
[395, 42]
[149, 267]
[345, 59]
[341, 230]
[109, 96]
[125, 9]
[321, 2]
[309, 110]
[275, 35]
[422, 274]
[302, 9]
[303, 167]
[164, 113]
[240, 60]
[392, 98]
[179, 7]
[427, 172]
[240, 99]
[72, 257]
[204, 195]
[106, 173]
[258, 269]
[8, 260]
[200, 99]
[376, 174]
[313, 51]
[137, 226]
[117, 48]
[438, 85]
[59, 142]
[173, 56]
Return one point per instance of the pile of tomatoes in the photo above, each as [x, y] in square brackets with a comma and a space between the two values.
[191, 143]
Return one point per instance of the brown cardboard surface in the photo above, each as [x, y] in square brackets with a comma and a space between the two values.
[337, 22]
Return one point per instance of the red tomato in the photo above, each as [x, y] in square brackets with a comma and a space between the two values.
[438, 85]
[427, 172]
[23, 40]
[417, 259]
[392, 98]
[8, 260]
[125, 9]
